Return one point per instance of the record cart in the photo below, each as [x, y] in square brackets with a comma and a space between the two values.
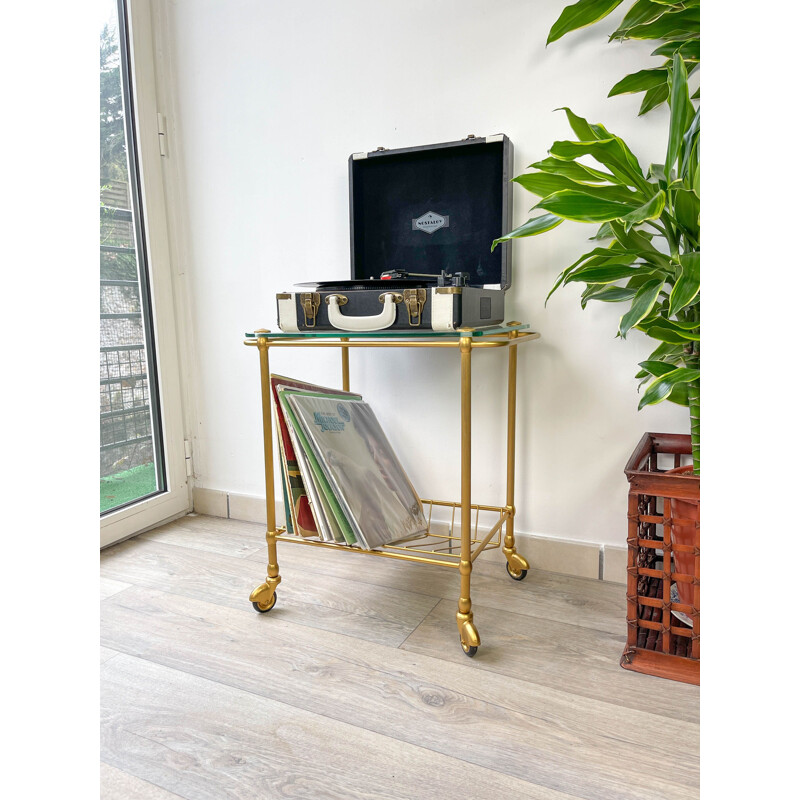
[463, 541]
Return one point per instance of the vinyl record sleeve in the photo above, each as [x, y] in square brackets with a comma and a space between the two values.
[302, 517]
[361, 467]
[329, 504]
[287, 506]
[326, 524]
[316, 495]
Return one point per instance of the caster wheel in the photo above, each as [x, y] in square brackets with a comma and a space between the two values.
[470, 651]
[517, 576]
[262, 609]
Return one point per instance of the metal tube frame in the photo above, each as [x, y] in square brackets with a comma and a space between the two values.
[264, 595]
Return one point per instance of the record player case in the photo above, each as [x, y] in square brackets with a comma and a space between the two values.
[464, 540]
[422, 222]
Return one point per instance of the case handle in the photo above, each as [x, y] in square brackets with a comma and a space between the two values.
[376, 322]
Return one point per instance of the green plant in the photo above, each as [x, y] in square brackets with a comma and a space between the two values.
[652, 262]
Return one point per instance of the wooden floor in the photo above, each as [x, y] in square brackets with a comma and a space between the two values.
[355, 686]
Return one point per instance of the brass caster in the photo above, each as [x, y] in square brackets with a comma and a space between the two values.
[263, 596]
[262, 608]
[516, 575]
[470, 651]
[470, 641]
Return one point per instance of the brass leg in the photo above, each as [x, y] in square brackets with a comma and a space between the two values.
[470, 641]
[263, 596]
[345, 366]
[517, 566]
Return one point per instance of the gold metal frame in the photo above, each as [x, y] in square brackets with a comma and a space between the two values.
[461, 545]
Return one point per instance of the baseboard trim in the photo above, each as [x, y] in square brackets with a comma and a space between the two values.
[231, 505]
[564, 556]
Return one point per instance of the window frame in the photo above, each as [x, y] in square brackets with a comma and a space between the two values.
[175, 500]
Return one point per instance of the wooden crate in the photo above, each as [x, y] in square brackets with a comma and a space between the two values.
[663, 550]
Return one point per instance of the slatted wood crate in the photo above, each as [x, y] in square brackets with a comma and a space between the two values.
[663, 591]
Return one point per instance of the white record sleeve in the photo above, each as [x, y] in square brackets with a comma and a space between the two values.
[362, 468]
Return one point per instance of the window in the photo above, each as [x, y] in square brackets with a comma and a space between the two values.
[131, 454]
[143, 474]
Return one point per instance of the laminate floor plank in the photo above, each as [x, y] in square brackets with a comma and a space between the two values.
[109, 587]
[576, 601]
[541, 735]
[214, 535]
[118, 785]
[361, 610]
[106, 653]
[569, 657]
[204, 741]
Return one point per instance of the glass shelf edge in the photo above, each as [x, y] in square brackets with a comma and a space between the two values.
[406, 335]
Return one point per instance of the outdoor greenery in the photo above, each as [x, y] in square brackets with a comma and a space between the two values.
[649, 220]
[113, 158]
[113, 163]
[127, 486]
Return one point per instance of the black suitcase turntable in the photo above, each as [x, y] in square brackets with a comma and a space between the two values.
[422, 222]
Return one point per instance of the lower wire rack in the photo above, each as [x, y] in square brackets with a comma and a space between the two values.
[442, 545]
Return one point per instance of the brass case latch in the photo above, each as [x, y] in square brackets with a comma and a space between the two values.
[310, 303]
[415, 302]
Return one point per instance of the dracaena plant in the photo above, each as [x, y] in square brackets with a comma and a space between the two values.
[649, 259]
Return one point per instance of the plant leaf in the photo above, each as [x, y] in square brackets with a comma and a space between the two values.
[603, 232]
[640, 13]
[573, 170]
[610, 154]
[532, 227]
[633, 241]
[679, 394]
[606, 293]
[686, 205]
[600, 255]
[580, 127]
[689, 50]
[642, 304]
[661, 387]
[666, 330]
[544, 184]
[583, 207]
[654, 97]
[640, 81]
[597, 257]
[656, 368]
[687, 286]
[691, 142]
[667, 351]
[657, 171]
[674, 25]
[681, 111]
[630, 158]
[579, 15]
[602, 274]
[650, 210]
[588, 132]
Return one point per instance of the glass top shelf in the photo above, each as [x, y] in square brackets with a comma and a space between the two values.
[496, 330]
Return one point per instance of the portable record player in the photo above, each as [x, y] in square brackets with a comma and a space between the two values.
[422, 222]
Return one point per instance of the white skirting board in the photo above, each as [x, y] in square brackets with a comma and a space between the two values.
[581, 559]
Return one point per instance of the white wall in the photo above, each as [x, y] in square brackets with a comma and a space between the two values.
[265, 101]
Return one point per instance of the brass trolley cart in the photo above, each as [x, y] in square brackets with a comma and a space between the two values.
[438, 547]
